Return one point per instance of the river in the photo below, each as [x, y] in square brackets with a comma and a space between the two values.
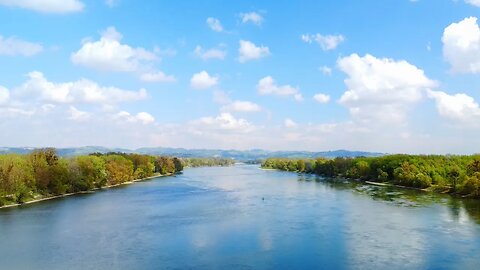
[242, 217]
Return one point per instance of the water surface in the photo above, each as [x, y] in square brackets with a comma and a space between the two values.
[243, 218]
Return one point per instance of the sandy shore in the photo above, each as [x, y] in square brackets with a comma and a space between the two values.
[83, 192]
[265, 169]
[392, 185]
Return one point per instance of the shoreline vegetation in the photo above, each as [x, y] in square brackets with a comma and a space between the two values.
[83, 192]
[43, 175]
[455, 175]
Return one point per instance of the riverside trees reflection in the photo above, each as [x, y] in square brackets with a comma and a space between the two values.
[459, 175]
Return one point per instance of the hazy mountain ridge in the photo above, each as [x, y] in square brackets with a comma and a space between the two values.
[241, 155]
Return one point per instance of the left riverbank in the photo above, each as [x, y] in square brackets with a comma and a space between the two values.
[44, 175]
[48, 198]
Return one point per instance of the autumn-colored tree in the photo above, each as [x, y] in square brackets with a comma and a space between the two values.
[118, 168]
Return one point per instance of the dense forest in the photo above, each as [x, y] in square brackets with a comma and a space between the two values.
[42, 173]
[449, 174]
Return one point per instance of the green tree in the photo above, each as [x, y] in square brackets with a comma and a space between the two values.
[16, 178]
[301, 165]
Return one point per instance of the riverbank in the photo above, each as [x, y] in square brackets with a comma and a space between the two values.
[379, 184]
[455, 175]
[84, 192]
[392, 185]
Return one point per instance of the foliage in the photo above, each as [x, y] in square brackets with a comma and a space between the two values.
[457, 174]
[207, 162]
[43, 173]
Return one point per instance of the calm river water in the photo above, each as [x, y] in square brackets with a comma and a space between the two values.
[243, 218]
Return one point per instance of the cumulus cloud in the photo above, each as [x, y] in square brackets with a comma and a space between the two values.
[214, 24]
[268, 86]
[241, 106]
[46, 6]
[473, 2]
[108, 54]
[252, 17]
[81, 91]
[77, 115]
[157, 76]
[289, 123]
[459, 107]
[249, 51]
[51, 112]
[13, 46]
[225, 122]
[213, 53]
[203, 80]
[461, 46]
[381, 89]
[141, 117]
[326, 42]
[321, 98]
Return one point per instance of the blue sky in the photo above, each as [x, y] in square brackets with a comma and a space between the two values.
[389, 76]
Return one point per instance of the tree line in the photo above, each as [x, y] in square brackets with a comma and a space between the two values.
[207, 162]
[449, 174]
[43, 173]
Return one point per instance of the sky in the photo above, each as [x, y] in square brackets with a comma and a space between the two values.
[397, 76]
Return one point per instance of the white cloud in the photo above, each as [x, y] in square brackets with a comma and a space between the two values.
[46, 6]
[141, 117]
[13, 46]
[381, 89]
[460, 107]
[327, 71]
[229, 105]
[81, 91]
[157, 76]
[241, 106]
[203, 80]
[108, 54]
[145, 118]
[214, 53]
[77, 115]
[214, 24]
[252, 17]
[4, 95]
[268, 86]
[321, 98]
[327, 43]
[289, 123]
[461, 46]
[473, 2]
[226, 122]
[249, 51]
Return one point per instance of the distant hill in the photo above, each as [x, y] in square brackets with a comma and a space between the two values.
[246, 155]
